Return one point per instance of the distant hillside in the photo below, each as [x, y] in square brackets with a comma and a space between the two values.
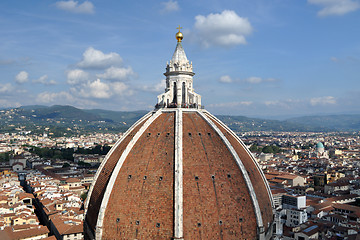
[60, 113]
[31, 107]
[241, 123]
[63, 120]
[344, 122]
[128, 117]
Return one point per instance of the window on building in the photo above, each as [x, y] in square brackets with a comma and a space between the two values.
[183, 92]
[175, 93]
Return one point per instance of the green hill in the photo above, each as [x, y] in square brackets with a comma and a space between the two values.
[343, 122]
[125, 117]
[63, 112]
[241, 123]
[63, 120]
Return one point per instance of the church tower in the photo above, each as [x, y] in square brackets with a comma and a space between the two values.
[179, 173]
[179, 74]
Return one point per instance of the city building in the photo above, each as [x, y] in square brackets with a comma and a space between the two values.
[24, 232]
[319, 151]
[179, 173]
[295, 208]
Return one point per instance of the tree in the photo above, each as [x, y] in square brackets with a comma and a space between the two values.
[267, 149]
[271, 149]
[4, 157]
[254, 148]
[66, 165]
[83, 196]
[81, 163]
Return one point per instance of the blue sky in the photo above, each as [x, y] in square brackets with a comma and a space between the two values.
[267, 58]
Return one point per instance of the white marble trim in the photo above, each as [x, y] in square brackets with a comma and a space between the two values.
[242, 168]
[178, 177]
[108, 155]
[99, 225]
[250, 153]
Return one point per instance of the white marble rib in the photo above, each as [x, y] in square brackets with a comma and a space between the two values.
[104, 203]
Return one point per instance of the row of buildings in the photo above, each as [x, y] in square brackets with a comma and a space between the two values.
[42, 206]
[316, 188]
[315, 194]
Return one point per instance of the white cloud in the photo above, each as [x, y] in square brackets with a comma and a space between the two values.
[251, 80]
[94, 89]
[22, 77]
[48, 97]
[99, 89]
[276, 103]
[285, 104]
[7, 103]
[5, 88]
[74, 6]
[101, 79]
[116, 73]
[44, 80]
[160, 87]
[170, 6]
[51, 82]
[322, 101]
[225, 79]
[268, 103]
[300, 104]
[222, 29]
[256, 80]
[93, 58]
[157, 88]
[120, 88]
[76, 76]
[64, 97]
[232, 104]
[335, 7]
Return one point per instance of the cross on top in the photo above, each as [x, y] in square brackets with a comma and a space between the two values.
[179, 28]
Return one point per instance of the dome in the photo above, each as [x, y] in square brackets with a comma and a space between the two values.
[179, 173]
[320, 148]
[319, 145]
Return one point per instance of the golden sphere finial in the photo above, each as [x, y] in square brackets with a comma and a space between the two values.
[179, 36]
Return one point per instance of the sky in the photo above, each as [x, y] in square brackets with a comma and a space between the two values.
[259, 58]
